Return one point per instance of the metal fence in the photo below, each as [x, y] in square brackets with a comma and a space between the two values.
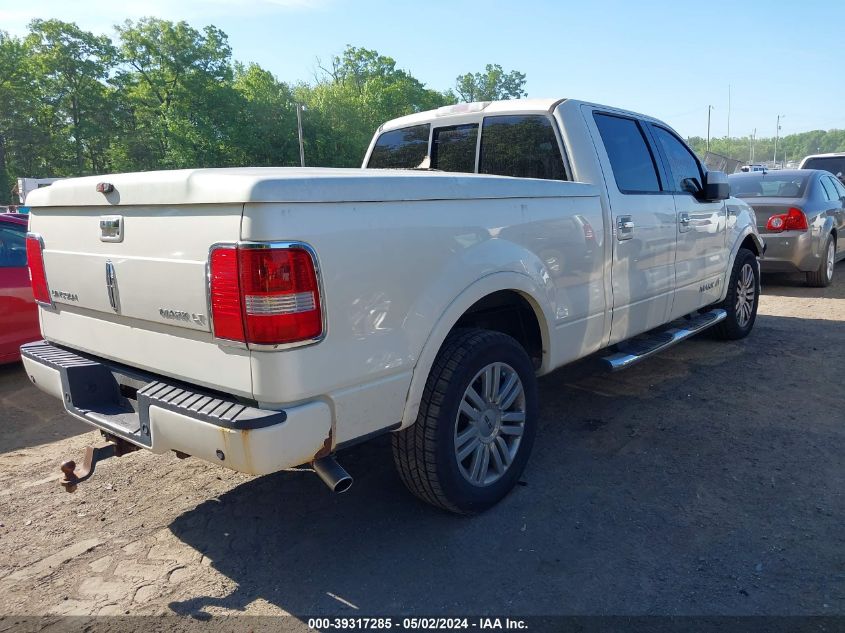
[717, 162]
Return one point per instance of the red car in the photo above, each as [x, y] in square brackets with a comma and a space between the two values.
[18, 312]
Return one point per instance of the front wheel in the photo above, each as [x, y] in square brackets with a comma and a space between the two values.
[742, 299]
[476, 423]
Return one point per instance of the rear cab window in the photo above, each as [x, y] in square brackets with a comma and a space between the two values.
[631, 159]
[834, 164]
[405, 148]
[518, 145]
[524, 146]
[453, 148]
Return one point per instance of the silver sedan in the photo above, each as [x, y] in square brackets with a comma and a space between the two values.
[801, 216]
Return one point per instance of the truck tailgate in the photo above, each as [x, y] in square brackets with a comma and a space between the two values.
[141, 300]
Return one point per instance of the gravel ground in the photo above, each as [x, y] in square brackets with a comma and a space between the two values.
[707, 480]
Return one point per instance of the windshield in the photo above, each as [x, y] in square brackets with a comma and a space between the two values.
[769, 185]
[834, 164]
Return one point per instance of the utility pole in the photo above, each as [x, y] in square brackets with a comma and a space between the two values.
[299, 129]
[777, 135]
[729, 110]
[753, 138]
[709, 109]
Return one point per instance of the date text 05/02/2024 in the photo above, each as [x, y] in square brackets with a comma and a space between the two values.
[417, 623]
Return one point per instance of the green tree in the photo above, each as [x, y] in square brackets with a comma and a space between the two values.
[491, 85]
[358, 92]
[792, 147]
[178, 81]
[266, 134]
[166, 95]
[72, 66]
[25, 120]
[13, 79]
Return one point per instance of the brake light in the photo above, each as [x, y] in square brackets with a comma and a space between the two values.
[265, 295]
[226, 294]
[792, 220]
[37, 274]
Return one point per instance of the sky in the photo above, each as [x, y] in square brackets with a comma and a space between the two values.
[667, 59]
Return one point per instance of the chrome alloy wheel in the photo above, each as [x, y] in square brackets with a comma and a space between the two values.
[830, 257]
[745, 294]
[490, 424]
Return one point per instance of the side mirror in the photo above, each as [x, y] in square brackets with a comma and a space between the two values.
[716, 187]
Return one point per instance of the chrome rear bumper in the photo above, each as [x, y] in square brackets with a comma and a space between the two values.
[161, 414]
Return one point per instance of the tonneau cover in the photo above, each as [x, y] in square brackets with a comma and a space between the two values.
[292, 184]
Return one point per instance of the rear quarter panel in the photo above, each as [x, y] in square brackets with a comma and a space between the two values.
[398, 275]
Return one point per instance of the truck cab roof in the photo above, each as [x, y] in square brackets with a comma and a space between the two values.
[454, 113]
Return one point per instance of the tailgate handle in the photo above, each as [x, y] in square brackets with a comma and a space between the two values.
[111, 228]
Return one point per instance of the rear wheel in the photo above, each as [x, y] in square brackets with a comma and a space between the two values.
[476, 423]
[742, 299]
[824, 275]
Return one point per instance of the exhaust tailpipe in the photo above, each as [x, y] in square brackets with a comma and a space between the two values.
[332, 474]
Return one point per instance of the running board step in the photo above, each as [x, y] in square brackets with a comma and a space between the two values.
[636, 349]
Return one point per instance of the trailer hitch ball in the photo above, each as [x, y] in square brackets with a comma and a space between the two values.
[70, 478]
[115, 447]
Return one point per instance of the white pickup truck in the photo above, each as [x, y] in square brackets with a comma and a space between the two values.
[267, 318]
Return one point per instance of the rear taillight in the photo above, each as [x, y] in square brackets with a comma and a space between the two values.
[265, 295]
[37, 275]
[792, 220]
[226, 314]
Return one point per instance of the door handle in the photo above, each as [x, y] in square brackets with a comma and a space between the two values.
[684, 221]
[624, 227]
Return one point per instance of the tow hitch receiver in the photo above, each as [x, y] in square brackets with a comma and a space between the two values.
[116, 447]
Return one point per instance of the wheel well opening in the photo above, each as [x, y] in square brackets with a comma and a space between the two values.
[508, 312]
[751, 245]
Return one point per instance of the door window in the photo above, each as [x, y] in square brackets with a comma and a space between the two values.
[829, 188]
[12, 247]
[453, 148]
[630, 156]
[840, 188]
[686, 172]
[524, 146]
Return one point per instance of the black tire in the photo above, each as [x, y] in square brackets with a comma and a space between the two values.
[425, 453]
[735, 327]
[823, 276]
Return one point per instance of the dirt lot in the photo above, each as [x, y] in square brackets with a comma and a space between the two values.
[708, 480]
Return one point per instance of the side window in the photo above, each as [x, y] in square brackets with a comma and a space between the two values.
[405, 148]
[453, 148]
[686, 173]
[829, 188]
[12, 247]
[840, 188]
[524, 146]
[630, 156]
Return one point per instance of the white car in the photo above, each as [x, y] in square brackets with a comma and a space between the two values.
[833, 162]
[265, 318]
